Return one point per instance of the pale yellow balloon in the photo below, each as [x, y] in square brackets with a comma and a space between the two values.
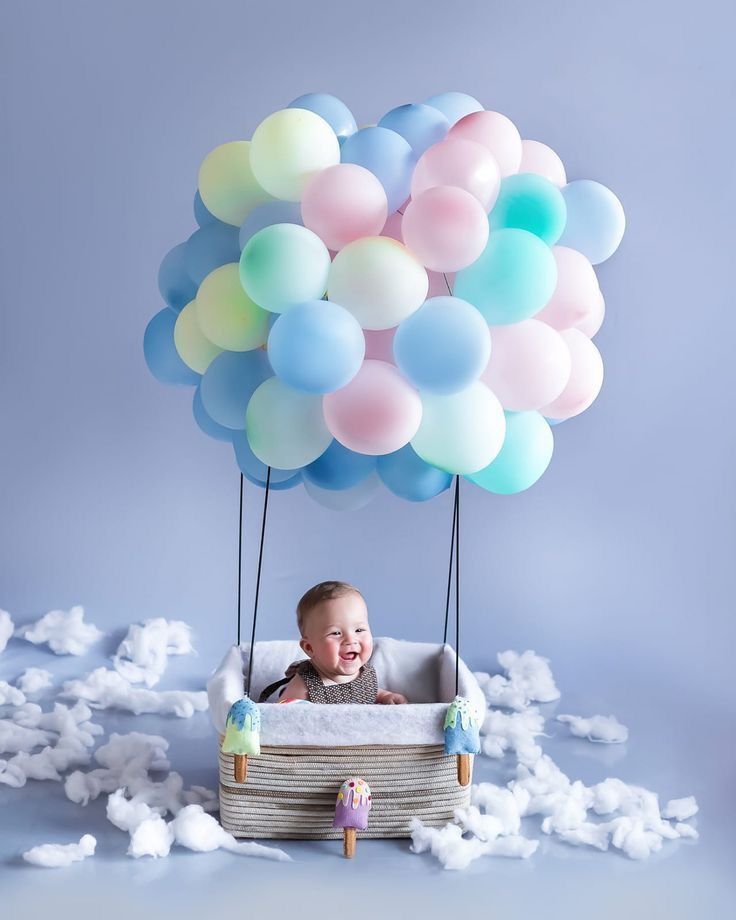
[227, 185]
[194, 349]
[378, 280]
[225, 313]
[288, 148]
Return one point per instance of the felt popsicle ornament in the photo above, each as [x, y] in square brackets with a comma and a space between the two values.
[242, 735]
[462, 735]
[351, 811]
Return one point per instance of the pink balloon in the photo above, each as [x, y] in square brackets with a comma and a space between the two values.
[379, 344]
[586, 377]
[496, 133]
[438, 285]
[529, 366]
[591, 323]
[343, 203]
[538, 158]
[576, 292]
[378, 412]
[446, 228]
[458, 162]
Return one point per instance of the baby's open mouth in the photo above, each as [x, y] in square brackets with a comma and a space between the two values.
[348, 656]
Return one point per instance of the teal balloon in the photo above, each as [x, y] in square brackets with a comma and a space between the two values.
[454, 106]
[160, 352]
[530, 202]
[256, 471]
[174, 283]
[208, 248]
[420, 125]
[207, 424]
[511, 280]
[595, 220]
[339, 468]
[405, 474]
[229, 382]
[525, 455]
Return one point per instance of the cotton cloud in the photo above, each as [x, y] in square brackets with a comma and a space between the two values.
[106, 689]
[6, 629]
[10, 695]
[682, 809]
[33, 680]
[606, 729]
[528, 679]
[65, 632]
[142, 656]
[124, 761]
[57, 855]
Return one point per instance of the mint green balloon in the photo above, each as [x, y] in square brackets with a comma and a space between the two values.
[283, 265]
[530, 202]
[525, 455]
[511, 280]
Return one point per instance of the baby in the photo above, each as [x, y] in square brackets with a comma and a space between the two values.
[333, 621]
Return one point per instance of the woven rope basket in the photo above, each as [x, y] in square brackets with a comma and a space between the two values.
[290, 792]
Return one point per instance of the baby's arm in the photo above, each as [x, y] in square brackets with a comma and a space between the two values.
[389, 698]
[296, 689]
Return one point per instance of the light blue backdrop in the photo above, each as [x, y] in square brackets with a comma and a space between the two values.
[618, 565]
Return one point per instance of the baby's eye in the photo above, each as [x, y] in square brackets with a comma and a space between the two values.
[361, 629]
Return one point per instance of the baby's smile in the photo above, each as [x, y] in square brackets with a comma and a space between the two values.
[338, 639]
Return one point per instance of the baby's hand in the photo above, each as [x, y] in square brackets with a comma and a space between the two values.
[388, 698]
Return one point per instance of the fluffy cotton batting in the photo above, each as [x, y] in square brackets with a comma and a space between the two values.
[106, 689]
[10, 695]
[65, 632]
[604, 729]
[6, 629]
[33, 680]
[196, 830]
[58, 855]
[528, 679]
[143, 654]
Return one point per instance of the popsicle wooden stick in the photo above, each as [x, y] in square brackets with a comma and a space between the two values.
[463, 769]
[348, 841]
[241, 767]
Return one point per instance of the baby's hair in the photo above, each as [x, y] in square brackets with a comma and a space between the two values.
[324, 591]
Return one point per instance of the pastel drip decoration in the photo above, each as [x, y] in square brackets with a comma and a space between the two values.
[351, 811]
[242, 735]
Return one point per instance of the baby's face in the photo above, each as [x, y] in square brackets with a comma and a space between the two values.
[337, 636]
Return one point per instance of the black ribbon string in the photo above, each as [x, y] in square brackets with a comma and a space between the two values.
[240, 552]
[258, 582]
[454, 552]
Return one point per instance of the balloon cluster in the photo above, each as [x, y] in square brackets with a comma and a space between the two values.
[398, 303]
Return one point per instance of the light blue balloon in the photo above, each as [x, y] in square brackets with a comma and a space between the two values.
[201, 214]
[420, 125]
[388, 156]
[525, 455]
[405, 474]
[443, 346]
[267, 214]
[176, 287]
[207, 423]
[554, 421]
[530, 202]
[255, 471]
[339, 468]
[595, 220]
[337, 115]
[454, 106]
[316, 347]
[511, 280]
[160, 352]
[229, 382]
[210, 247]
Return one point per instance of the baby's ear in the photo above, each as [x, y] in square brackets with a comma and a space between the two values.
[305, 647]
